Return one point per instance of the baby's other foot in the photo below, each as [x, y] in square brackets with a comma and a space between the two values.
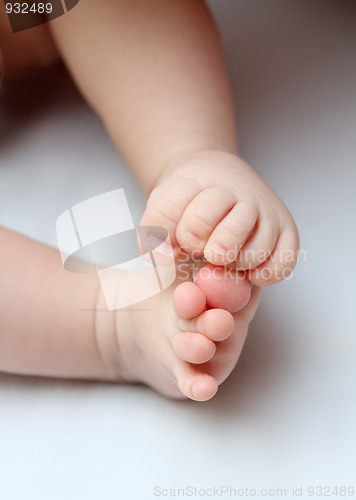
[175, 344]
[214, 204]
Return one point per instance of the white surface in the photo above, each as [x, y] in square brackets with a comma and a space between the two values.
[286, 417]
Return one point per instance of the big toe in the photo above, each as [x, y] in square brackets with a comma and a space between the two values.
[223, 288]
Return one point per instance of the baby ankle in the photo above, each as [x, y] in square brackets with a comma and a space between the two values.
[106, 339]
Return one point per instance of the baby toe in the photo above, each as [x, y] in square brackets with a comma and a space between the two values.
[201, 216]
[189, 300]
[281, 262]
[193, 347]
[167, 203]
[231, 233]
[216, 324]
[260, 245]
[224, 288]
[193, 383]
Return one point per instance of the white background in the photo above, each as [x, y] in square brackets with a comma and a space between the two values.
[286, 417]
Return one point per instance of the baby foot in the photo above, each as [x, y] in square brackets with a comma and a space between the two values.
[214, 204]
[175, 344]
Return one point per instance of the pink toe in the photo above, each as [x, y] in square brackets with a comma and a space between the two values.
[189, 300]
[217, 324]
[204, 388]
[194, 347]
[193, 383]
[224, 288]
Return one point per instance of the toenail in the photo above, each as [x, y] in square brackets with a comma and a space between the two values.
[219, 249]
[194, 391]
[162, 246]
[194, 238]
